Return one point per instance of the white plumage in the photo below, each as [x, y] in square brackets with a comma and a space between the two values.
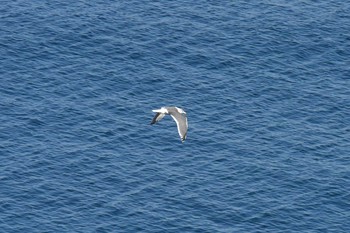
[178, 114]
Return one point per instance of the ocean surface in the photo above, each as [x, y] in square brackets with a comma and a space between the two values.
[266, 88]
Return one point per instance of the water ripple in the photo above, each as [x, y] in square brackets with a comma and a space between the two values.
[265, 85]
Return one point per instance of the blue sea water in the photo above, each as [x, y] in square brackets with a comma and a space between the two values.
[266, 87]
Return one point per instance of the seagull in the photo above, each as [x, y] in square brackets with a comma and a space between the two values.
[178, 114]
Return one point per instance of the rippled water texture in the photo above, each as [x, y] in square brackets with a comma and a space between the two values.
[265, 85]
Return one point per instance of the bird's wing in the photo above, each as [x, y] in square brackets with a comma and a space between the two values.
[157, 117]
[182, 125]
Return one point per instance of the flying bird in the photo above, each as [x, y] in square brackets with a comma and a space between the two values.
[178, 114]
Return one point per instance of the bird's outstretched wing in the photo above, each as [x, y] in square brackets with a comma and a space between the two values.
[157, 117]
[182, 125]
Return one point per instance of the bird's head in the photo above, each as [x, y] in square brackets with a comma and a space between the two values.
[181, 110]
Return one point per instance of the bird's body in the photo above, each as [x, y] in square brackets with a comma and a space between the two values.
[178, 114]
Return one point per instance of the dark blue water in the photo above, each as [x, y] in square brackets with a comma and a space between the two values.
[266, 87]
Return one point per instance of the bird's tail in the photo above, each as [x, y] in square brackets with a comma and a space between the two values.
[162, 110]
